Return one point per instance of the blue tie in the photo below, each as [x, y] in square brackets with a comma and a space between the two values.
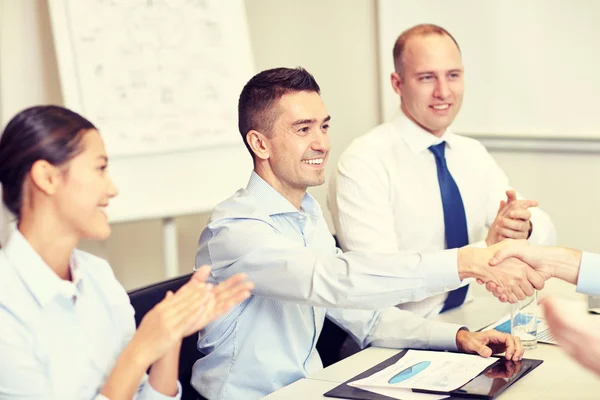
[455, 220]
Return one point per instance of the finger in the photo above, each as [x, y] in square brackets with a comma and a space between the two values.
[512, 234]
[514, 225]
[504, 253]
[175, 315]
[520, 213]
[519, 349]
[201, 273]
[481, 349]
[511, 195]
[501, 206]
[192, 291]
[511, 297]
[518, 289]
[186, 300]
[521, 204]
[235, 294]
[509, 344]
[536, 280]
[226, 302]
[229, 283]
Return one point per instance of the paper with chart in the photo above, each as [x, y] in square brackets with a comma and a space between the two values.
[157, 75]
[428, 370]
[543, 330]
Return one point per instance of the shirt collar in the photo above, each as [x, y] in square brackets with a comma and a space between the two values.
[417, 138]
[39, 278]
[273, 202]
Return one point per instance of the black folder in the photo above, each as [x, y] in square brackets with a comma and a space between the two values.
[496, 374]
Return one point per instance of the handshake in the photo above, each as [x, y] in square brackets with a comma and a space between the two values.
[512, 269]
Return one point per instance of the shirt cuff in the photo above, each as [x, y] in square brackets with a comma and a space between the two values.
[441, 270]
[443, 336]
[149, 393]
[588, 281]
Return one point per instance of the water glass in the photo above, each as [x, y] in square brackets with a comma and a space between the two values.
[523, 321]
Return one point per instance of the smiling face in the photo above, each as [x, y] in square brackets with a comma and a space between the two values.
[85, 189]
[296, 150]
[431, 86]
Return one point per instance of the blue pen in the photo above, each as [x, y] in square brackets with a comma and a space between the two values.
[409, 372]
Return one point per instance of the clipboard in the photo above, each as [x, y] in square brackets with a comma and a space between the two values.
[468, 391]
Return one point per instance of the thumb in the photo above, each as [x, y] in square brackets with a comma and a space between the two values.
[483, 350]
[501, 255]
[511, 195]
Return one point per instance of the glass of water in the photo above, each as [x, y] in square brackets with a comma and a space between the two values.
[523, 321]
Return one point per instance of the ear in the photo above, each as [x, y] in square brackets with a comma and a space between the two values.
[45, 176]
[396, 82]
[258, 143]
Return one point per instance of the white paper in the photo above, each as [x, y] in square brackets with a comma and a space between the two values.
[428, 370]
[404, 394]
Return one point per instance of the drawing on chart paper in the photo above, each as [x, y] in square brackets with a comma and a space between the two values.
[155, 75]
[409, 372]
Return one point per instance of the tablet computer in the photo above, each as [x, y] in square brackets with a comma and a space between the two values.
[487, 385]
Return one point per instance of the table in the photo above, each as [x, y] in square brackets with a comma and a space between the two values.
[557, 378]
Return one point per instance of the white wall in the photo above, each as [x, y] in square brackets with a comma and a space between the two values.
[28, 71]
[336, 41]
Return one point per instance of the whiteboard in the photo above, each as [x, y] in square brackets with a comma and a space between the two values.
[531, 67]
[160, 79]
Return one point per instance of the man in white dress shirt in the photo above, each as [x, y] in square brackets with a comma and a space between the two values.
[412, 185]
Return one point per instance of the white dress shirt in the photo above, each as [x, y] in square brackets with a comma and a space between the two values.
[588, 280]
[269, 340]
[59, 340]
[6, 224]
[385, 197]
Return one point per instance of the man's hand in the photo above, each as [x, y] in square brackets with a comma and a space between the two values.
[575, 334]
[490, 342]
[511, 281]
[513, 220]
[550, 262]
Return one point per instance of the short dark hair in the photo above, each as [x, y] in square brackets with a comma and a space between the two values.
[417, 30]
[257, 103]
[49, 133]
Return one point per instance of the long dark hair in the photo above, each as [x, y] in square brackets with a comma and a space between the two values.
[49, 133]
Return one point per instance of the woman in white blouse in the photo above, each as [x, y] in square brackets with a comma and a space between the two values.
[67, 329]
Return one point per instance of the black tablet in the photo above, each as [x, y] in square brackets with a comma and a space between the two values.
[487, 385]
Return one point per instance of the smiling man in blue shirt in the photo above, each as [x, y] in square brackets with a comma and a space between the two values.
[274, 231]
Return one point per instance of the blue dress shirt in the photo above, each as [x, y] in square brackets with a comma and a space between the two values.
[269, 341]
[588, 281]
[59, 340]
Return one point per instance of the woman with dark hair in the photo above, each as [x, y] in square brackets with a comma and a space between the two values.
[67, 329]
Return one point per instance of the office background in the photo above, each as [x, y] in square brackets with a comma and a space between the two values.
[336, 40]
